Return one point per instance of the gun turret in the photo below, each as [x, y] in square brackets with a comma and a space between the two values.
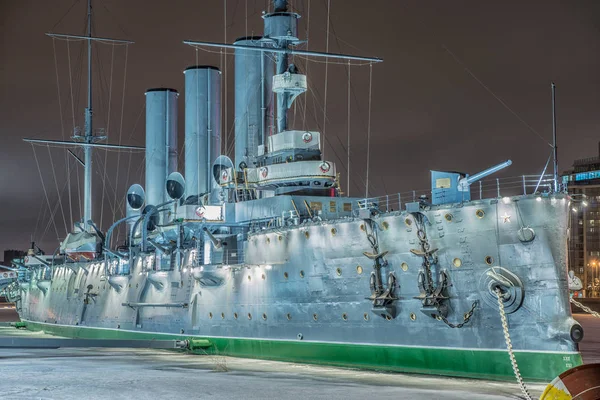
[216, 242]
[464, 183]
[454, 187]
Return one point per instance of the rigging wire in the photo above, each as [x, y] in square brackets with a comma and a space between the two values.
[107, 133]
[62, 130]
[348, 123]
[64, 15]
[70, 85]
[369, 131]
[41, 216]
[306, 65]
[121, 127]
[225, 72]
[468, 70]
[127, 175]
[44, 188]
[326, 73]
[57, 191]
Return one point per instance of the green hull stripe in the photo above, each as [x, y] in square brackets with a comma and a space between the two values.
[484, 364]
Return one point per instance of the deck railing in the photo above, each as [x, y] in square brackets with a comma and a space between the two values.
[486, 188]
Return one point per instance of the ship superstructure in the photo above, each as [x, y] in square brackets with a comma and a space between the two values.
[263, 257]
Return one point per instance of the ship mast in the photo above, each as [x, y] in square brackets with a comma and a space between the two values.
[88, 140]
[554, 147]
[87, 150]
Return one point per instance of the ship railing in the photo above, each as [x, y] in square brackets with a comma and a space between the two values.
[233, 256]
[223, 256]
[486, 188]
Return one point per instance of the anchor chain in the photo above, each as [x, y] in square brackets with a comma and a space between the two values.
[509, 348]
[585, 308]
[466, 318]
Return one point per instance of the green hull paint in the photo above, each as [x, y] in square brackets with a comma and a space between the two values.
[483, 364]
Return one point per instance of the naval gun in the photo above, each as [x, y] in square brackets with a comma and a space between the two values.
[454, 187]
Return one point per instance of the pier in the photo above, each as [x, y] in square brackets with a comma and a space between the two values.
[125, 373]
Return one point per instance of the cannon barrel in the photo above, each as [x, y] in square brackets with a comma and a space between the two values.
[216, 242]
[486, 172]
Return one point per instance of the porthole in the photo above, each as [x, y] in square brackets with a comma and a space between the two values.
[222, 315]
[359, 269]
[288, 316]
[448, 217]
[413, 317]
[264, 316]
[457, 262]
[366, 316]
[249, 316]
[480, 213]
[249, 278]
[345, 317]
[408, 222]
[235, 315]
[136, 285]
[301, 274]
[489, 260]
[362, 227]
[338, 271]
[404, 266]
[285, 275]
[280, 238]
[315, 317]
[385, 225]
[333, 231]
[210, 315]
[268, 240]
[306, 234]
[263, 277]
[388, 318]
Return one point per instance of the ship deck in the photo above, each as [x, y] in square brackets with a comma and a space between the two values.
[74, 373]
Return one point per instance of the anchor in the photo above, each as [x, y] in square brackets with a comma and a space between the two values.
[381, 297]
[431, 293]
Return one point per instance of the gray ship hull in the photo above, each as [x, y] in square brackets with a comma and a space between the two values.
[302, 293]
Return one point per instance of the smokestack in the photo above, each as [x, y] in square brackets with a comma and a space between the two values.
[202, 126]
[253, 100]
[161, 142]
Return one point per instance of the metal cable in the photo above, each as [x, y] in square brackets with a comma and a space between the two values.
[326, 75]
[369, 130]
[112, 64]
[44, 188]
[121, 129]
[57, 191]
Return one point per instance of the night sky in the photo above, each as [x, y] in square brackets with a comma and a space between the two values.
[428, 112]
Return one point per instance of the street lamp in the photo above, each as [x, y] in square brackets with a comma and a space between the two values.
[594, 264]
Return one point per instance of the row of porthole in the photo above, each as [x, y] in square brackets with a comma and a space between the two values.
[448, 217]
[315, 316]
[385, 225]
[457, 262]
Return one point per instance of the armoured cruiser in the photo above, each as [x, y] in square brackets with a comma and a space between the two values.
[263, 257]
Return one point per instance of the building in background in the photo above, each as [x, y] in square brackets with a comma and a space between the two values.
[583, 184]
[10, 255]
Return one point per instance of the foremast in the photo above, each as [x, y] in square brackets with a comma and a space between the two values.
[88, 140]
